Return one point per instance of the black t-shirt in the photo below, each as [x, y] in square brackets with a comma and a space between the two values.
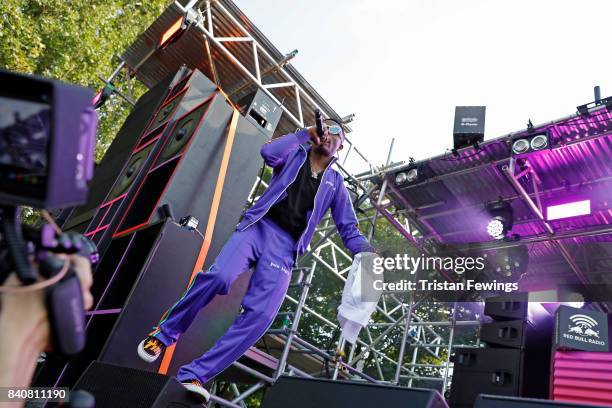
[290, 212]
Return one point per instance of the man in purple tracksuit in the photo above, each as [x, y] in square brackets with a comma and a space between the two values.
[273, 233]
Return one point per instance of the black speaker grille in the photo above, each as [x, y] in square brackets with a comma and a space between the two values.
[114, 386]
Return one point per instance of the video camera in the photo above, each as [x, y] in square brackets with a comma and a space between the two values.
[47, 141]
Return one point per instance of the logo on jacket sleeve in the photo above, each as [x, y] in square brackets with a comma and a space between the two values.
[330, 184]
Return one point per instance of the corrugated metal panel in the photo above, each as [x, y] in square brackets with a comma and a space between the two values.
[582, 376]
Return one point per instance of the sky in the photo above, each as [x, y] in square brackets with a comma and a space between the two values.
[403, 65]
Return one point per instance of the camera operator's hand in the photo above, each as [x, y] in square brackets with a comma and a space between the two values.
[24, 326]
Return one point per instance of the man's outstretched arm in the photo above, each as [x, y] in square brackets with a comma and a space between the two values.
[346, 222]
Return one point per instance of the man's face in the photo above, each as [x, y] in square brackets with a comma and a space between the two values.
[333, 143]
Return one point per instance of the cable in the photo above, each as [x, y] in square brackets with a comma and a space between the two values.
[38, 285]
[51, 222]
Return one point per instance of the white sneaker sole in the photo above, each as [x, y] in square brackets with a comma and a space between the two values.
[144, 355]
[199, 391]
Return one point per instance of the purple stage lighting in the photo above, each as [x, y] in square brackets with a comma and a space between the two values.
[567, 210]
[502, 218]
[495, 228]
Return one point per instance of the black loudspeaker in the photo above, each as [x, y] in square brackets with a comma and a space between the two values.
[184, 174]
[494, 401]
[499, 371]
[520, 334]
[131, 171]
[298, 392]
[184, 93]
[119, 152]
[469, 125]
[261, 110]
[507, 307]
[121, 387]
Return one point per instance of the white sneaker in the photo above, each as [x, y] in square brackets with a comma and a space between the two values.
[150, 348]
[196, 387]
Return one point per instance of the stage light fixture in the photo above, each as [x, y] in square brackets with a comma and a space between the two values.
[502, 218]
[400, 178]
[409, 176]
[530, 143]
[576, 305]
[539, 142]
[507, 263]
[412, 175]
[520, 146]
[568, 210]
[495, 228]
[413, 172]
[189, 222]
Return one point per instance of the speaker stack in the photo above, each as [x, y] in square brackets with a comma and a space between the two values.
[165, 136]
[115, 161]
[195, 156]
[517, 357]
[299, 392]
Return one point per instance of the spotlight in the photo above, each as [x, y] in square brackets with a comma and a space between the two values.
[413, 173]
[520, 146]
[189, 222]
[553, 298]
[400, 178]
[530, 143]
[348, 118]
[495, 228]
[568, 210]
[501, 221]
[507, 263]
[539, 142]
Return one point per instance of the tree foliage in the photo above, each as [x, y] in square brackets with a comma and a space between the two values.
[75, 41]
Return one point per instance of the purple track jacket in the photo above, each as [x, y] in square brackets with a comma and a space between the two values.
[286, 155]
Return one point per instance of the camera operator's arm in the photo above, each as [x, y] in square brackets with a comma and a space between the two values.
[24, 327]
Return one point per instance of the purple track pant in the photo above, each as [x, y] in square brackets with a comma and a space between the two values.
[267, 248]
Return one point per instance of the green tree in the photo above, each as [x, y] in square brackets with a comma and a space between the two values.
[75, 41]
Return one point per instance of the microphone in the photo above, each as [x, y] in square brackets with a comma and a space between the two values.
[319, 123]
